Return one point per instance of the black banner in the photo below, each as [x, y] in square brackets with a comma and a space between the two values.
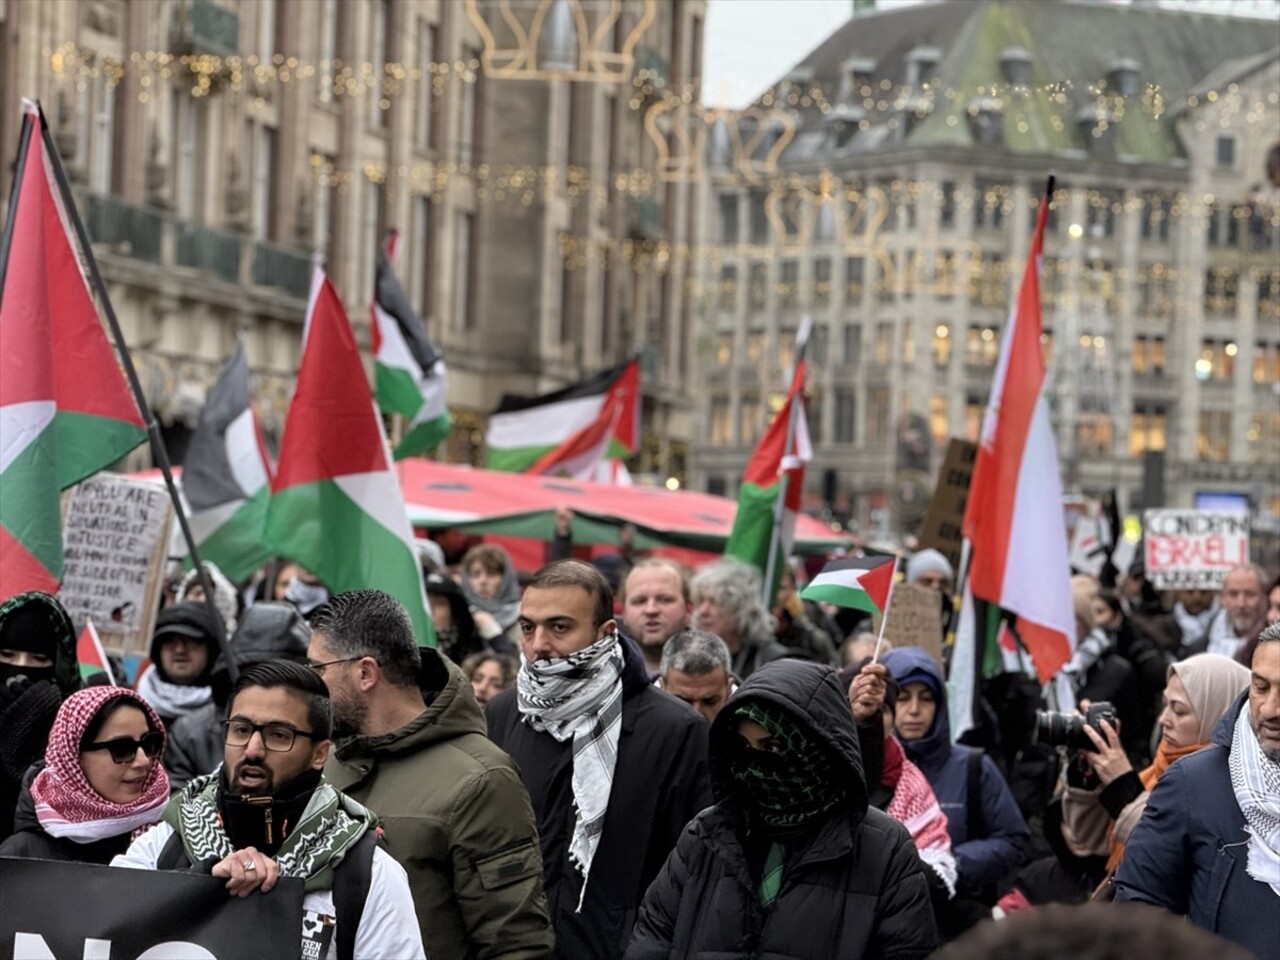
[70, 911]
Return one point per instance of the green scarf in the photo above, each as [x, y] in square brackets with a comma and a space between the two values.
[331, 824]
[788, 788]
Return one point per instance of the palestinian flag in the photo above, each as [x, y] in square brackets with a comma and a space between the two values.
[760, 528]
[90, 655]
[570, 431]
[336, 506]
[410, 370]
[65, 410]
[859, 583]
[226, 476]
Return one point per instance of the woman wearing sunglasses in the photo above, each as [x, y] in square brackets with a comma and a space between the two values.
[100, 783]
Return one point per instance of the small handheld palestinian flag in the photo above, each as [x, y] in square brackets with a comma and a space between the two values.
[90, 655]
[859, 583]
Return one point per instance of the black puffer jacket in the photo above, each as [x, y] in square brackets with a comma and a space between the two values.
[852, 889]
[266, 631]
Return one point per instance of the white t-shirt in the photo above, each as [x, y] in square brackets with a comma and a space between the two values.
[388, 927]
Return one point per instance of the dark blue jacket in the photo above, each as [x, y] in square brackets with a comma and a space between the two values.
[1001, 847]
[1189, 851]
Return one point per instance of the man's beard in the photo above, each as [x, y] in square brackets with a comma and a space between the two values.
[349, 717]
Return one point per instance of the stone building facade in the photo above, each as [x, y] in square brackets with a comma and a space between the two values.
[217, 146]
[912, 147]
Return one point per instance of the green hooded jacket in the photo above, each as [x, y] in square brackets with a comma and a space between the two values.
[457, 817]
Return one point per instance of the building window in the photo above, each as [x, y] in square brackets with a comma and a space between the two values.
[974, 409]
[721, 422]
[468, 103]
[1094, 433]
[947, 210]
[381, 47]
[941, 346]
[1046, 347]
[852, 344]
[816, 352]
[422, 268]
[855, 269]
[789, 285]
[464, 249]
[1221, 284]
[724, 349]
[1264, 437]
[759, 219]
[1269, 297]
[884, 344]
[189, 152]
[786, 350]
[1147, 429]
[426, 98]
[1148, 356]
[1157, 210]
[729, 218]
[326, 202]
[328, 47]
[1266, 362]
[749, 416]
[878, 415]
[1155, 290]
[1214, 217]
[104, 145]
[756, 342]
[846, 406]
[939, 418]
[758, 287]
[266, 31]
[908, 344]
[1225, 153]
[822, 283]
[1103, 206]
[264, 158]
[992, 202]
[728, 293]
[1213, 438]
[981, 346]
[1217, 360]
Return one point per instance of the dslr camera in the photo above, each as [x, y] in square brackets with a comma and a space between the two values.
[1067, 729]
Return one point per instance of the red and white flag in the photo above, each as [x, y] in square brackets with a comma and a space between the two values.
[1014, 515]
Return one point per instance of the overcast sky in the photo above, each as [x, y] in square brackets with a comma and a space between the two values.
[751, 43]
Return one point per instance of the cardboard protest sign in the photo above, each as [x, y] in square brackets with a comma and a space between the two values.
[915, 619]
[141, 914]
[115, 537]
[942, 522]
[1193, 549]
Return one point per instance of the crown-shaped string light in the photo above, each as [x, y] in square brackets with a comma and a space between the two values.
[559, 39]
[822, 210]
[692, 140]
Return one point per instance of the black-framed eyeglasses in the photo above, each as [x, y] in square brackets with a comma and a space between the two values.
[276, 737]
[124, 749]
[319, 667]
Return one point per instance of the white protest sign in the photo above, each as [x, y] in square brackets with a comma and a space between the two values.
[1193, 549]
[114, 539]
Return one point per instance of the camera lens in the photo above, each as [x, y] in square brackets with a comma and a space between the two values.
[1061, 730]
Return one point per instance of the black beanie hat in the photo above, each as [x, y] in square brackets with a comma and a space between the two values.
[196, 621]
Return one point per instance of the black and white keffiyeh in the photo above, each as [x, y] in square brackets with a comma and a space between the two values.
[1256, 782]
[580, 696]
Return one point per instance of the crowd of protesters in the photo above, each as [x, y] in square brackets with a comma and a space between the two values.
[626, 758]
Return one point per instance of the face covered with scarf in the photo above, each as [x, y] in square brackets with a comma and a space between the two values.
[781, 771]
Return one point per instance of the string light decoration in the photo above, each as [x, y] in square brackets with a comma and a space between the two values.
[692, 140]
[558, 39]
[881, 100]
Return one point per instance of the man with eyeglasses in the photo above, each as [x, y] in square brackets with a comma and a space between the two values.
[412, 746]
[268, 812]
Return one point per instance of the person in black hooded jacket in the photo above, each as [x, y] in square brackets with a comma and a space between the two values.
[37, 672]
[790, 862]
[266, 631]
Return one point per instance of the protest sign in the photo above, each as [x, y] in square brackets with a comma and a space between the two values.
[915, 619]
[1193, 549]
[115, 538]
[140, 914]
[942, 522]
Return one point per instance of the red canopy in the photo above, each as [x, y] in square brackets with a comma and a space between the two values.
[442, 495]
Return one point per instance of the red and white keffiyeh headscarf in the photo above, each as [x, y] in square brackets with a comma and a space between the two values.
[915, 806]
[66, 805]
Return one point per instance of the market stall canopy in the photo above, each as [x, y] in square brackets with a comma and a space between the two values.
[440, 495]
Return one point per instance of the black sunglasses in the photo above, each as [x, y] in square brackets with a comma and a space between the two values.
[124, 749]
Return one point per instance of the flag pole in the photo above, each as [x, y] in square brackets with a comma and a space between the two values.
[158, 450]
[888, 605]
[780, 505]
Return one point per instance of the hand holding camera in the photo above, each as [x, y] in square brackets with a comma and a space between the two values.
[1095, 733]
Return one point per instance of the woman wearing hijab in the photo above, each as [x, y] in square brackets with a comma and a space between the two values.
[1099, 819]
[100, 783]
[791, 861]
[492, 589]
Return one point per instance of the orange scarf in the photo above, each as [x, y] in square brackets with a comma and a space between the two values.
[1165, 756]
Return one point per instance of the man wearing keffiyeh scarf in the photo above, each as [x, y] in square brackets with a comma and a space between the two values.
[1208, 844]
[614, 767]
